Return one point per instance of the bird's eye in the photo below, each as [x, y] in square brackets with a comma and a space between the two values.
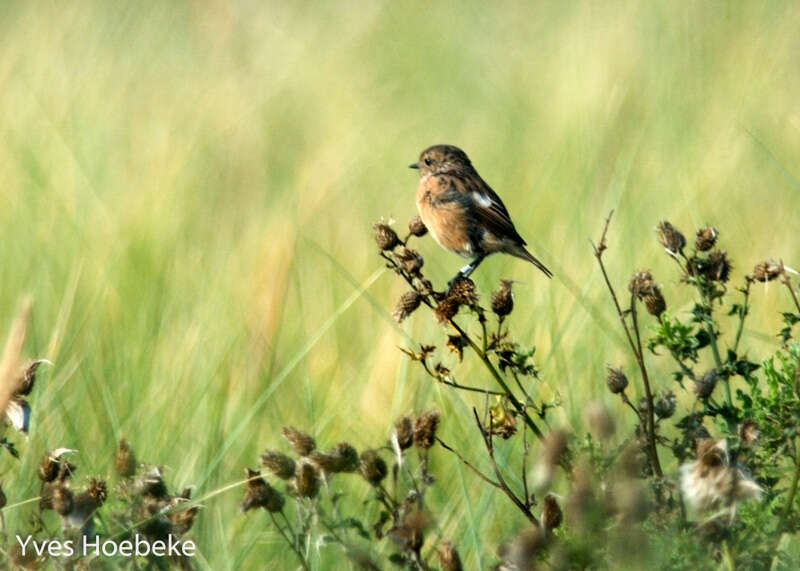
[427, 162]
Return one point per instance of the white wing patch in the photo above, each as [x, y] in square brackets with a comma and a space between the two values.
[482, 199]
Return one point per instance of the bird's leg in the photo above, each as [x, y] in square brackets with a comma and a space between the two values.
[467, 270]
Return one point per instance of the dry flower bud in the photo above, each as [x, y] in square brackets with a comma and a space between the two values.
[551, 513]
[404, 431]
[279, 465]
[446, 309]
[343, 458]
[301, 442]
[642, 284]
[448, 556]
[306, 479]
[664, 405]
[260, 494]
[417, 227]
[385, 237]
[410, 261]
[719, 267]
[125, 459]
[373, 467]
[706, 238]
[670, 237]
[704, 386]
[767, 270]
[425, 429]
[407, 305]
[655, 303]
[616, 380]
[749, 432]
[462, 290]
[503, 299]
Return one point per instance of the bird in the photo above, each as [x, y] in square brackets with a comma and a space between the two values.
[463, 214]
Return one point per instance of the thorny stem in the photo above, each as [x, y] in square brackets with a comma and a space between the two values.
[487, 441]
[651, 438]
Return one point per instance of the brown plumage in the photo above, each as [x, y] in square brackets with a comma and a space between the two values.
[462, 212]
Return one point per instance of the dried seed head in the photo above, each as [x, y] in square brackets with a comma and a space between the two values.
[125, 459]
[63, 500]
[767, 270]
[425, 429]
[97, 490]
[749, 432]
[373, 467]
[706, 238]
[301, 442]
[279, 465]
[410, 261]
[385, 237]
[408, 304]
[616, 380]
[448, 556]
[417, 227]
[503, 299]
[306, 479]
[55, 466]
[655, 303]
[718, 267]
[343, 458]
[27, 377]
[260, 494]
[599, 420]
[446, 309]
[462, 290]
[670, 237]
[404, 431]
[704, 385]
[664, 405]
[642, 284]
[551, 513]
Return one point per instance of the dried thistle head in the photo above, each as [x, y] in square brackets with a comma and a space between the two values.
[767, 270]
[300, 442]
[404, 432]
[97, 490]
[718, 267]
[417, 227]
[373, 467]
[642, 284]
[343, 458]
[462, 290]
[552, 516]
[664, 405]
[260, 494]
[670, 237]
[655, 303]
[704, 385]
[446, 309]
[279, 465]
[705, 238]
[306, 480]
[449, 558]
[125, 459]
[503, 299]
[425, 429]
[749, 432]
[616, 380]
[410, 261]
[385, 237]
[406, 305]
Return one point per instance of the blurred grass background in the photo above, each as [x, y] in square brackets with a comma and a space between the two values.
[187, 190]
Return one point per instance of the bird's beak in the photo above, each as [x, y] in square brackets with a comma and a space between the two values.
[413, 166]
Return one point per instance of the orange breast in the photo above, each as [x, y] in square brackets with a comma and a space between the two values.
[446, 221]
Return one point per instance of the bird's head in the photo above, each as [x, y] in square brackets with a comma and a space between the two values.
[441, 159]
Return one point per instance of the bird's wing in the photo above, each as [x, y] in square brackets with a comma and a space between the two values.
[492, 213]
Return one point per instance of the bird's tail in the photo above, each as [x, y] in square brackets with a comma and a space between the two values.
[521, 252]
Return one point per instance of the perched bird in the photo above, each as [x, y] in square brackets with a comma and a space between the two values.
[462, 212]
